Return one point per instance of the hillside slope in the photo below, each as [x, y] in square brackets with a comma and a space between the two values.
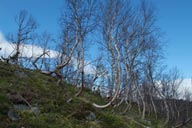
[29, 99]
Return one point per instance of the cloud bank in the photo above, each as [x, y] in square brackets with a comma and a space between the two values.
[6, 47]
[33, 51]
[27, 50]
[186, 85]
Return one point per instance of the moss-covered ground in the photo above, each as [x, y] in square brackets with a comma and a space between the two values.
[31, 89]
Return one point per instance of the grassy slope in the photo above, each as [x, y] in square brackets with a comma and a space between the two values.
[20, 86]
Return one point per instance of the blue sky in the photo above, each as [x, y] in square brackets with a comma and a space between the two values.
[46, 12]
[174, 17]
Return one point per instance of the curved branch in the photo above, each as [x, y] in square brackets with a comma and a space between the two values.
[35, 61]
[80, 91]
[58, 67]
[47, 72]
[110, 102]
[117, 84]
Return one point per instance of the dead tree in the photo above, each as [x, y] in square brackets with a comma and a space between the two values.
[25, 33]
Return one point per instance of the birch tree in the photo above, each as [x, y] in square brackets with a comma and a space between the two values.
[26, 26]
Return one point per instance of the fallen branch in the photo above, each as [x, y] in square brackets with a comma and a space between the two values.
[183, 123]
[35, 61]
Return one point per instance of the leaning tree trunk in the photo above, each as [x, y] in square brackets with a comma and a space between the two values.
[82, 72]
[118, 82]
[153, 105]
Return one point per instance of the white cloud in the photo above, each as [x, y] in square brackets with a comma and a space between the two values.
[90, 69]
[6, 47]
[186, 86]
[27, 50]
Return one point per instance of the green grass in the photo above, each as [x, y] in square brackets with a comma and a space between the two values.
[55, 112]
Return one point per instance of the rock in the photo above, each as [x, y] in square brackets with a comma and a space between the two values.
[91, 116]
[35, 110]
[24, 107]
[13, 115]
[147, 121]
[20, 74]
[21, 107]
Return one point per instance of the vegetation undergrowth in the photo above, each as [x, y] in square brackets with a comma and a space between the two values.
[30, 99]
